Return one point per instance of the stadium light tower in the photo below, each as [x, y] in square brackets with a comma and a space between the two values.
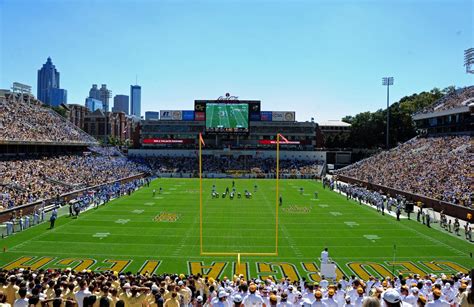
[388, 81]
[469, 60]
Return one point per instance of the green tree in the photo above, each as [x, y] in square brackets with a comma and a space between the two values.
[368, 129]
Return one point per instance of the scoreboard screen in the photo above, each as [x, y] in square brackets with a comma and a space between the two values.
[227, 117]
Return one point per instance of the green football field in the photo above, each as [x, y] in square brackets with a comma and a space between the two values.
[161, 234]
[227, 116]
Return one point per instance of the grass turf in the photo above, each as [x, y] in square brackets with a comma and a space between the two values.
[127, 232]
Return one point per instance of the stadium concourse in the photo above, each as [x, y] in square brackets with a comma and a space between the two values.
[23, 287]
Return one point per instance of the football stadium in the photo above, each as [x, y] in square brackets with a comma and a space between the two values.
[234, 202]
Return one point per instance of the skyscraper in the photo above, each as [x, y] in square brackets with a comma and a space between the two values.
[94, 92]
[135, 100]
[103, 94]
[94, 104]
[48, 85]
[120, 104]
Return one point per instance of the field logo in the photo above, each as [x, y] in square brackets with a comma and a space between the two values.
[101, 235]
[294, 209]
[166, 217]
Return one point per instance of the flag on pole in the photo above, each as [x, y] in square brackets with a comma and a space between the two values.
[201, 140]
[283, 138]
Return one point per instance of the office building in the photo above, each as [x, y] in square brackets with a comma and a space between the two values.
[135, 100]
[49, 91]
[94, 104]
[103, 94]
[120, 104]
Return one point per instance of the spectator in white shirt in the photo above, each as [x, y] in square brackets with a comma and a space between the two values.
[330, 301]
[22, 301]
[81, 294]
[253, 299]
[437, 301]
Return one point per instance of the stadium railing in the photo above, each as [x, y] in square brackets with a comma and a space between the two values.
[28, 209]
[437, 205]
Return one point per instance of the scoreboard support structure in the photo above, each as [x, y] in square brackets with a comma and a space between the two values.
[277, 181]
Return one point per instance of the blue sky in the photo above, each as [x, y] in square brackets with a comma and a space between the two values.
[322, 59]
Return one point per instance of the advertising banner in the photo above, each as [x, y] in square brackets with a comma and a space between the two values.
[188, 115]
[168, 141]
[254, 117]
[266, 116]
[171, 115]
[273, 142]
[283, 116]
[199, 115]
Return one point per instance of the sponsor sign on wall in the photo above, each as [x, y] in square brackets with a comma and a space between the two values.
[255, 116]
[200, 115]
[273, 142]
[266, 116]
[283, 116]
[188, 115]
[168, 141]
[171, 115]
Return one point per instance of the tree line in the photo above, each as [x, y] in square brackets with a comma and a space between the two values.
[368, 129]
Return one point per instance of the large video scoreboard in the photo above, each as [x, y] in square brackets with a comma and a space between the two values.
[227, 115]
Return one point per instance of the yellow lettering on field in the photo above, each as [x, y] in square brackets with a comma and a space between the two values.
[313, 271]
[444, 266]
[360, 269]
[264, 270]
[277, 270]
[26, 262]
[82, 264]
[409, 267]
[117, 265]
[432, 266]
[149, 267]
[454, 266]
[242, 268]
[214, 270]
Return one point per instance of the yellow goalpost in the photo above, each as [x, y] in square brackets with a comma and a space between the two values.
[277, 180]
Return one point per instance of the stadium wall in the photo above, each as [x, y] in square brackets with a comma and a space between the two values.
[28, 209]
[284, 154]
[437, 205]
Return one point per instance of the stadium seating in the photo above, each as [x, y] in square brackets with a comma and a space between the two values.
[437, 167]
[31, 122]
[115, 289]
[26, 180]
[224, 164]
[460, 97]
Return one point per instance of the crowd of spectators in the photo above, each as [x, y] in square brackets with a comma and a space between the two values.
[24, 287]
[32, 122]
[25, 180]
[247, 164]
[436, 167]
[106, 151]
[460, 97]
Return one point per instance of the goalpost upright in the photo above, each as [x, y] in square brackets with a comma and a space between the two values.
[277, 180]
[200, 191]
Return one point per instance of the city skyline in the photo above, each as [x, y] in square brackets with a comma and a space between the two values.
[321, 59]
